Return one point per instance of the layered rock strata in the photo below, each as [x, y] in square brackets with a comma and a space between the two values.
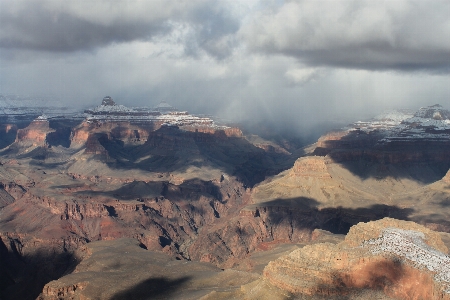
[35, 134]
[403, 259]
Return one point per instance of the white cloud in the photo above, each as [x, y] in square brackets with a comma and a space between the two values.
[301, 76]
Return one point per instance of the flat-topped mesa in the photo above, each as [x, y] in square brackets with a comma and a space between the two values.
[393, 138]
[430, 123]
[34, 134]
[400, 258]
[310, 166]
[140, 122]
[436, 112]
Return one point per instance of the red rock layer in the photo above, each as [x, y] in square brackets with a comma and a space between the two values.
[124, 131]
[35, 134]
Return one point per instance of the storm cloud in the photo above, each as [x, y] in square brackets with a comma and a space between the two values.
[286, 64]
[362, 34]
[68, 26]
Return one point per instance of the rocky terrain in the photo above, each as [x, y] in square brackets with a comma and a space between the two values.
[66, 183]
[186, 193]
[402, 259]
[121, 269]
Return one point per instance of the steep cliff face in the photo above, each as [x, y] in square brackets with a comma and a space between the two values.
[310, 167]
[403, 259]
[119, 130]
[93, 145]
[35, 134]
[218, 131]
[421, 139]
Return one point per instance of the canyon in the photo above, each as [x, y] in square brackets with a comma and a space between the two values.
[203, 210]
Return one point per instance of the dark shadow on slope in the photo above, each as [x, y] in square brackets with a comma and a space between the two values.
[152, 288]
[5, 197]
[7, 135]
[189, 190]
[63, 129]
[60, 137]
[38, 153]
[302, 213]
[362, 154]
[170, 149]
[24, 276]
[446, 202]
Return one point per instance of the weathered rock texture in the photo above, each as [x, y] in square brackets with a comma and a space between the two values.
[35, 134]
[404, 259]
[120, 269]
[120, 130]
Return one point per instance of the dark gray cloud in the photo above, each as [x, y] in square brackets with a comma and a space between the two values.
[56, 26]
[290, 64]
[361, 34]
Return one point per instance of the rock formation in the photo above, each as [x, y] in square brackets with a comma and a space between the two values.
[403, 259]
[108, 101]
[121, 269]
[35, 134]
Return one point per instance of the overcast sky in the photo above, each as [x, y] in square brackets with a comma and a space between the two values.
[295, 62]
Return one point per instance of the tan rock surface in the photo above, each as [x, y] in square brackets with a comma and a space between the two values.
[120, 269]
[399, 258]
[35, 134]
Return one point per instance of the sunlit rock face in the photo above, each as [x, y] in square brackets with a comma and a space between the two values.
[401, 258]
[35, 134]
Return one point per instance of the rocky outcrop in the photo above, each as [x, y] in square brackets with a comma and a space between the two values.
[403, 259]
[123, 131]
[162, 215]
[421, 139]
[35, 134]
[310, 167]
[93, 145]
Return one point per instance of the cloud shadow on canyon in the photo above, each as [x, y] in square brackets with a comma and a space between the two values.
[303, 213]
[188, 190]
[172, 149]
[362, 154]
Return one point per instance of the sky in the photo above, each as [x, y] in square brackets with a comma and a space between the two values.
[294, 64]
